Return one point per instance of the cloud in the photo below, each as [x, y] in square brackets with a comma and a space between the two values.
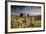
[32, 10]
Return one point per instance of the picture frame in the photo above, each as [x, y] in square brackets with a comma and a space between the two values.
[10, 6]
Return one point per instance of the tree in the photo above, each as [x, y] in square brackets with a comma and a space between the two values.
[27, 14]
[21, 14]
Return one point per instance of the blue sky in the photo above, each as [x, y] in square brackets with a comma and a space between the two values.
[32, 10]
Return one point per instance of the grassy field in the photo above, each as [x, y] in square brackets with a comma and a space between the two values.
[24, 22]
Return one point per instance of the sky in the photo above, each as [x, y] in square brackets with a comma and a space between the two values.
[31, 10]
